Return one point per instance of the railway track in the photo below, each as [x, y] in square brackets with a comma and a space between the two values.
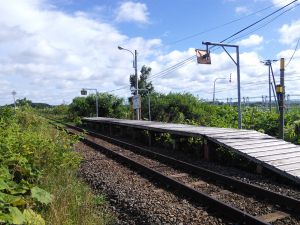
[242, 202]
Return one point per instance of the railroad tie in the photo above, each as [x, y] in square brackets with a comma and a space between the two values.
[271, 217]
[179, 175]
[197, 184]
[219, 193]
[159, 190]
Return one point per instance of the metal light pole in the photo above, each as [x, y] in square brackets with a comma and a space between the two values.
[237, 63]
[14, 94]
[84, 92]
[136, 75]
[219, 78]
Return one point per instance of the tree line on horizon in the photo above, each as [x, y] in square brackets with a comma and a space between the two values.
[182, 108]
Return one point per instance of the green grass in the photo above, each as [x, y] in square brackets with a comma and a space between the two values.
[38, 182]
[74, 202]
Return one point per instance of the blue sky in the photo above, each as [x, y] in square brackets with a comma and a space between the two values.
[50, 49]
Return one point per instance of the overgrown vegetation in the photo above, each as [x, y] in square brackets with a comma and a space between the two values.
[38, 183]
[109, 106]
[187, 109]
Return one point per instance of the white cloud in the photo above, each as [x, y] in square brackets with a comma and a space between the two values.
[133, 12]
[242, 10]
[252, 40]
[290, 33]
[199, 79]
[48, 55]
[46, 51]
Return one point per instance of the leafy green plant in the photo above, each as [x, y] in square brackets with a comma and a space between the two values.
[28, 149]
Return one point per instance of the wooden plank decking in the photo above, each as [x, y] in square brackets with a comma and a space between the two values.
[277, 155]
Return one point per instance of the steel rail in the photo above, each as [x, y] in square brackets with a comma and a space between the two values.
[229, 182]
[195, 195]
[231, 212]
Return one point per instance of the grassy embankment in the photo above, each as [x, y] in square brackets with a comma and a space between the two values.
[38, 181]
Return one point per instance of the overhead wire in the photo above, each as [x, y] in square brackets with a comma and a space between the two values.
[252, 83]
[218, 26]
[269, 23]
[258, 21]
[249, 84]
[117, 89]
[225, 24]
[240, 31]
[293, 53]
[265, 24]
[183, 62]
[189, 59]
[172, 68]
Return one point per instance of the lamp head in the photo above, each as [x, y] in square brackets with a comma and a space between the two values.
[120, 48]
[83, 92]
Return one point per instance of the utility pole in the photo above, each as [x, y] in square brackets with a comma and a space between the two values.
[136, 98]
[280, 89]
[268, 63]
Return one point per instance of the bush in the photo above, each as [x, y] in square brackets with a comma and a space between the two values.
[31, 152]
[108, 106]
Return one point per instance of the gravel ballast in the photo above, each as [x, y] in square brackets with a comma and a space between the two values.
[136, 200]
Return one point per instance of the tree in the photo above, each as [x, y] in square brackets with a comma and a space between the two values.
[143, 83]
[79, 107]
[109, 106]
[23, 102]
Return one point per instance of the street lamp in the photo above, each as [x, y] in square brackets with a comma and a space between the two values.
[237, 63]
[14, 94]
[214, 92]
[136, 75]
[84, 92]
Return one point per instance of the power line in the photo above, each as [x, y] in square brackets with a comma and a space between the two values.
[223, 25]
[265, 24]
[219, 26]
[251, 25]
[249, 84]
[252, 31]
[181, 64]
[293, 53]
[118, 89]
[172, 68]
[177, 66]
[189, 59]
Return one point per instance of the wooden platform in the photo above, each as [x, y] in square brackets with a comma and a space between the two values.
[277, 155]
